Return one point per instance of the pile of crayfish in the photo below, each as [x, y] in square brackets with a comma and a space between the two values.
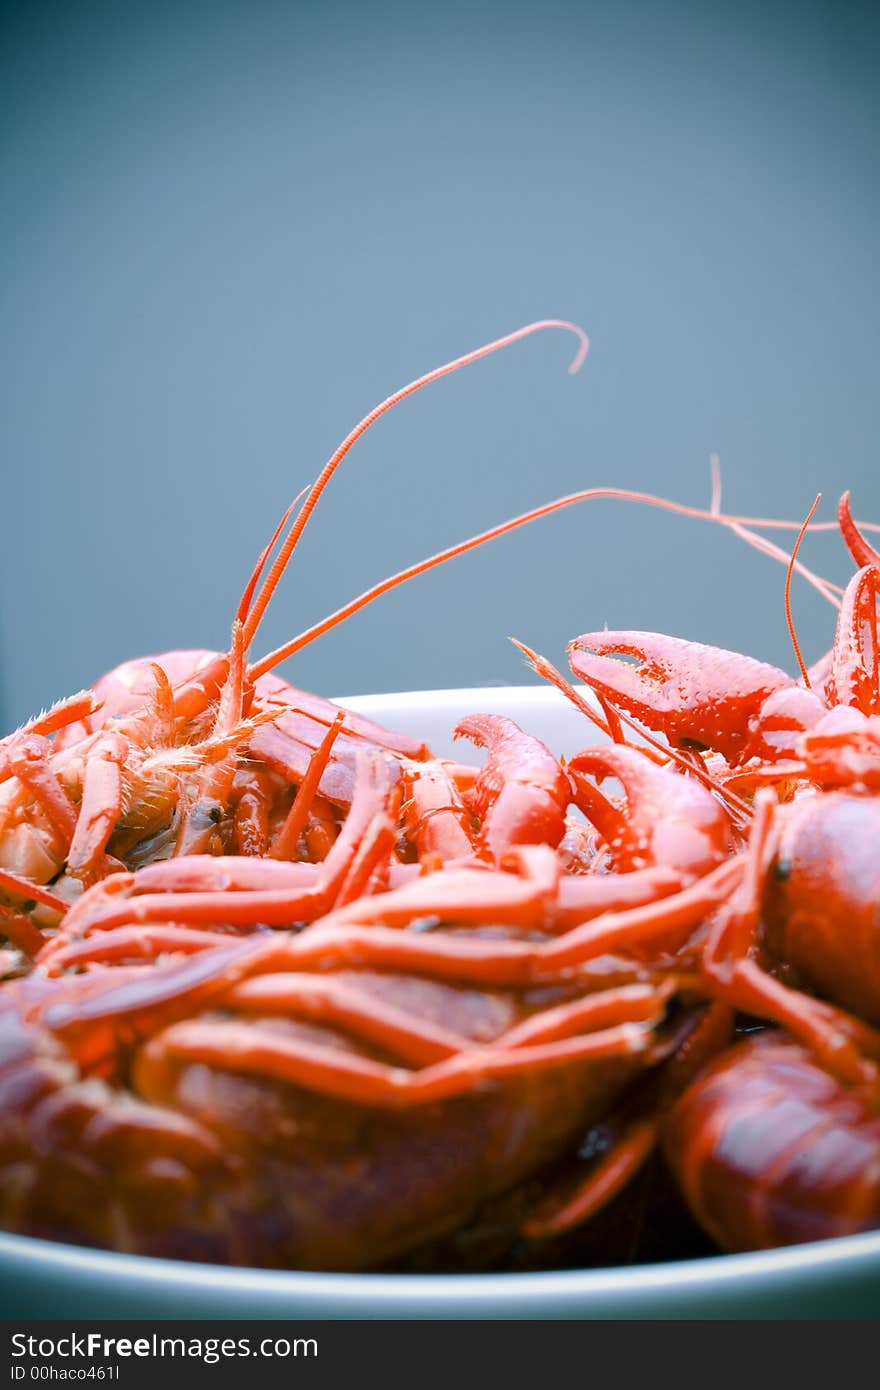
[281, 988]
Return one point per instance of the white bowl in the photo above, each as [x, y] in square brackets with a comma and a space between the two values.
[835, 1278]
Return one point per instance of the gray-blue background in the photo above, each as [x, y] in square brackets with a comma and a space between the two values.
[228, 230]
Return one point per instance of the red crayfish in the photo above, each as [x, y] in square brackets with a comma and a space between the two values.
[285, 989]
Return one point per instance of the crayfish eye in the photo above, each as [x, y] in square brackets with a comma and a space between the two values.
[694, 744]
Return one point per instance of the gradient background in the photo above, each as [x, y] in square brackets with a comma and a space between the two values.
[228, 230]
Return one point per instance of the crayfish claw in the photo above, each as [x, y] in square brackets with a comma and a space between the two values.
[521, 794]
[671, 820]
[696, 695]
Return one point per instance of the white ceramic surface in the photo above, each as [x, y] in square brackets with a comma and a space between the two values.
[835, 1279]
[433, 714]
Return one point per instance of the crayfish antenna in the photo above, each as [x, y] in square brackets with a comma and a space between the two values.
[829, 591]
[788, 574]
[761, 543]
[739, 525]
[548, 672]
[249, 588]
[280, 562]
[229, 711]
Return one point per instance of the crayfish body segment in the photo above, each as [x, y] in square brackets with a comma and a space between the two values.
[771, 1150]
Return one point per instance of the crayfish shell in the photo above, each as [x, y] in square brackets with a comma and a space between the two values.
[195, 1161]
[769, 1149]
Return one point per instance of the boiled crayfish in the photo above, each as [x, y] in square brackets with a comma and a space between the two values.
[285, 989]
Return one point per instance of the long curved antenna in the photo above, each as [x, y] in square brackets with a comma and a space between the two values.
[244, 602]
[274, 658]
[791, 564]
[287, 549]
[829, 591]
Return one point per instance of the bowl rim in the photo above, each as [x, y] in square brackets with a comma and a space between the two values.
[712, 1273]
